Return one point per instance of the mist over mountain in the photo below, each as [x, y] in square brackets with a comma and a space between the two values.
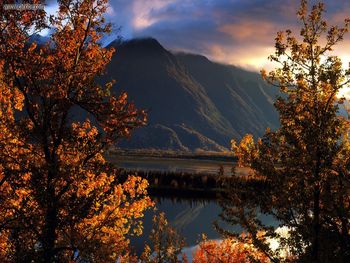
[192, 102]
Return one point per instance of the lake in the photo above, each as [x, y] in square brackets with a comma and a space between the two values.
[190, 218]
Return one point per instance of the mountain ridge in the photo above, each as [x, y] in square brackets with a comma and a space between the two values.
[189, 97]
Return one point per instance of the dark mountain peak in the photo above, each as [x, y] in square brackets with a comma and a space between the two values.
[140, 45]
[145, 42]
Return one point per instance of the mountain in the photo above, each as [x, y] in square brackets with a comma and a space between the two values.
[242, 97]
[192, 102]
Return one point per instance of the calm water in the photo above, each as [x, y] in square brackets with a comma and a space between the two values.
[189, 218]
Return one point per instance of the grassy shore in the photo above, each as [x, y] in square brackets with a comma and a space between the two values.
[198, 155]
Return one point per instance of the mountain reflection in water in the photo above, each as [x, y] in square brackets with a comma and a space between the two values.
[190, 218]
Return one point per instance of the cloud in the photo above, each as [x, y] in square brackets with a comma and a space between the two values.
[247, 31]
[238, 32]
[216, 28]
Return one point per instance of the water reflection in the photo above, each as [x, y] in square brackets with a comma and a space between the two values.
[190, 218]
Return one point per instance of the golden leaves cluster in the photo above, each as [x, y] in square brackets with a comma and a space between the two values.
[60, 200]
[228, 250]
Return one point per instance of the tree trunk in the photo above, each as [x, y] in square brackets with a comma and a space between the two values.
[51, 222]
[316, 225]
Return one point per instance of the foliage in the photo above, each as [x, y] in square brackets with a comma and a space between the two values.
[228, 251]
[60, 200]
[305, 163]
[167, 244]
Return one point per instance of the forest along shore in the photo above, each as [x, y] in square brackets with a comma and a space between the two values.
[192, 176]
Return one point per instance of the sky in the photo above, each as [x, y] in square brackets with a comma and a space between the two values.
[237, 32]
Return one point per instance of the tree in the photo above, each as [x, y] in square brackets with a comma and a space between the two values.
[167, 244]
[228, 251]
[305, 163]
[60, 200]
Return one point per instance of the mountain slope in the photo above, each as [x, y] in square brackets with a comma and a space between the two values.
[192, 102]
[241, 96]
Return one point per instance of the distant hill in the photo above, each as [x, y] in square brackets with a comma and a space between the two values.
[192, 102]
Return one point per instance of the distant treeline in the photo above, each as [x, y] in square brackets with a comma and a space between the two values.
[192, 186]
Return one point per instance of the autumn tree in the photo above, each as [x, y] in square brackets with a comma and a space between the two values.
[60, 201]
[304, 165]
[229, 250]
[166, 243]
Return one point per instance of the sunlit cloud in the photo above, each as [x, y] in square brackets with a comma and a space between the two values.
[142, 12]
[249, 31]
[252, 58]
